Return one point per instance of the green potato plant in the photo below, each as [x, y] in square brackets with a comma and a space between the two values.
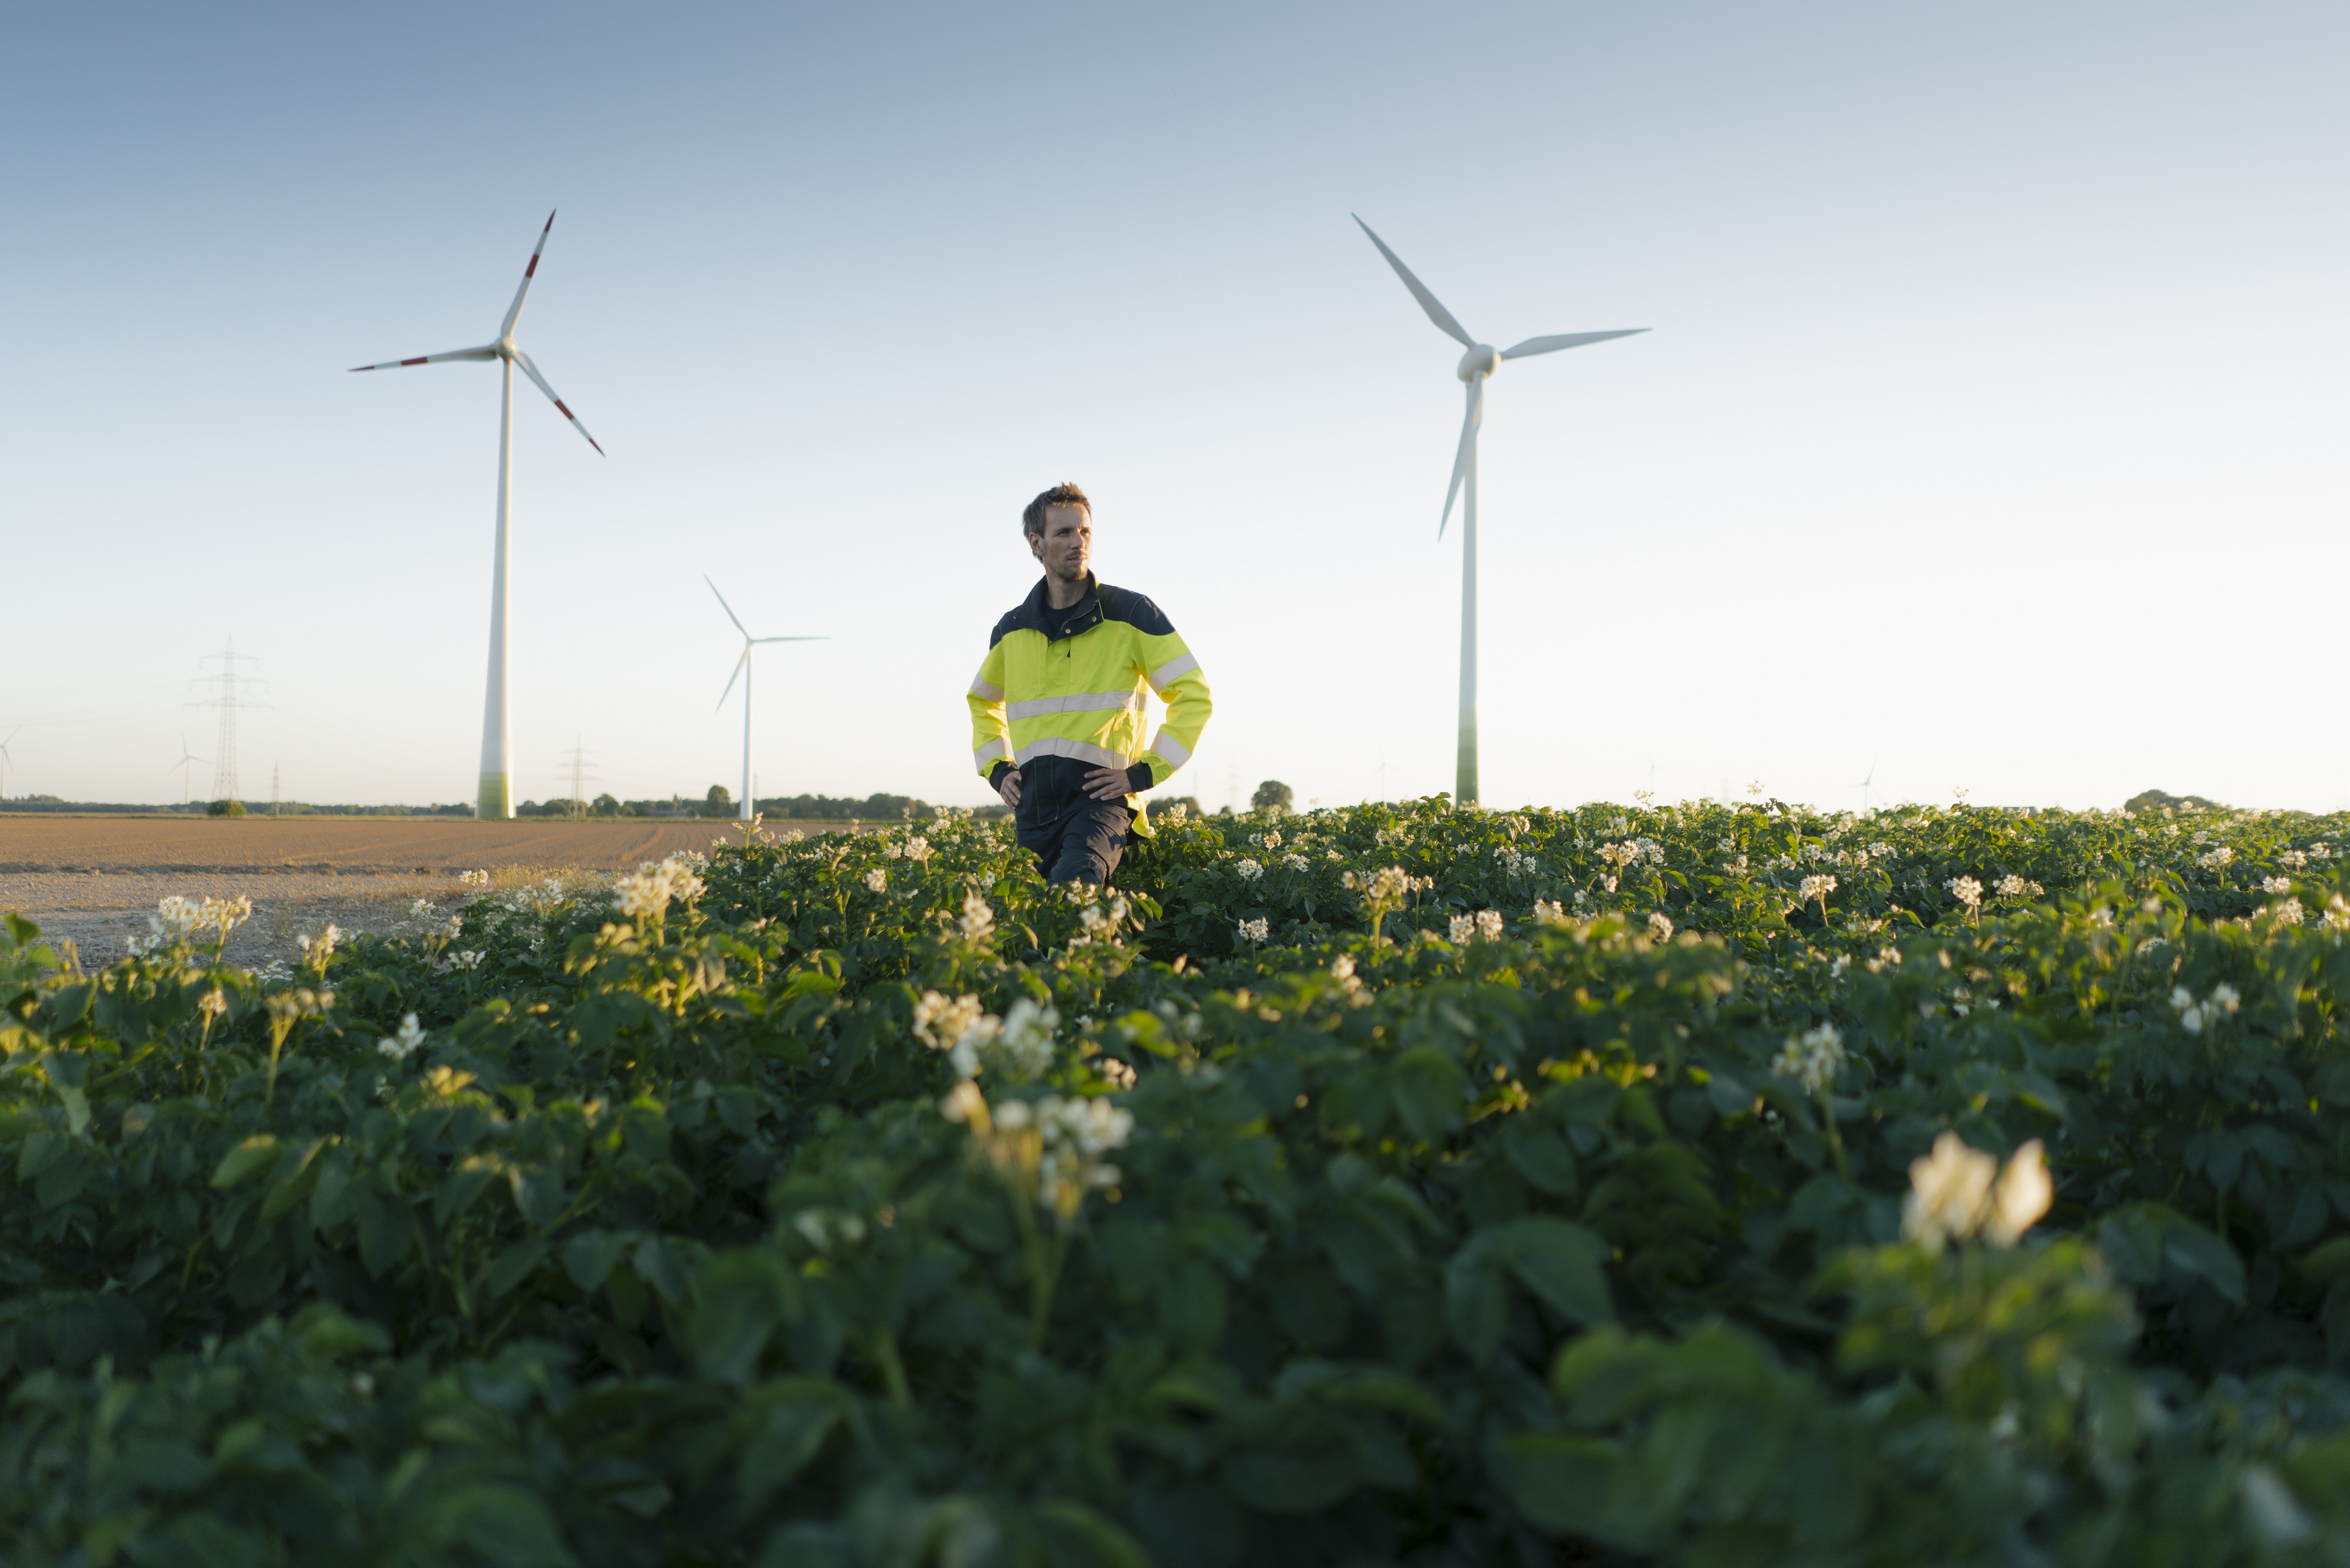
[1397, 1183]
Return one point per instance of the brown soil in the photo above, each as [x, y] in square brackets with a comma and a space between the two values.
[93, 880]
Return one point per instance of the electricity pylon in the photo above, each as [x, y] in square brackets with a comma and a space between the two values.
[227, 698]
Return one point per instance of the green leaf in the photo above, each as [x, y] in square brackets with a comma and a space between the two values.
[1540, 1154]
[326, 1333]
[515, 1264]
[1290, 1483]
[589, 1256]
[786, 1441]
[292, 1186]
[658, 1265]
[1561, 1263]
[2307, 1221]
[77, 1106]
[1559, 1484]
[1098, 1541]
[741, 1299]
[1476, 1304]
[505, 1524]
[2197, 1252]
[387, 1229]
[2328, 1261]
[246, 1158]
[1430, 1091]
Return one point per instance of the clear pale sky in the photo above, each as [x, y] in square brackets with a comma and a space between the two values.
[1989, 434]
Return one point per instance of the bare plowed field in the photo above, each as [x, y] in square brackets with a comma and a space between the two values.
[93, 880]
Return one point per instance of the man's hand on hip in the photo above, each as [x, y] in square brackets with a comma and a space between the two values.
[1009, 788]
[1107, 783]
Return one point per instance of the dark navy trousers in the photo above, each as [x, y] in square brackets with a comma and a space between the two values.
[1075, 837]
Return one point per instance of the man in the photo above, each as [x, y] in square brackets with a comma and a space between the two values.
[1057, 712]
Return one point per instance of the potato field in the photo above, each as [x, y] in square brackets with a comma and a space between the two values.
[1395, 1184]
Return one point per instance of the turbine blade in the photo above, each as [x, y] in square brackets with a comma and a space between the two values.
[1428, 301]
[1552, 345]
[514, 311]
[732, 679]
[727, 607]
[486, 351]
[531, 370]
[791, 640]
[1468, 453]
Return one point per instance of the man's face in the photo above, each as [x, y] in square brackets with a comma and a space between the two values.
[1066, 545]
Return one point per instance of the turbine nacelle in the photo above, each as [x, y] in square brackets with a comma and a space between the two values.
[1482, 359]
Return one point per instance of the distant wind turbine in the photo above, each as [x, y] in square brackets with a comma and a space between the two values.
[4, 760]
[186, 765]
[1479, 363]
[1863, 786]
[743, 669]
[496, 797]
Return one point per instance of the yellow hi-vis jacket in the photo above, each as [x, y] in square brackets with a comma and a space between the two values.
[1081, 694]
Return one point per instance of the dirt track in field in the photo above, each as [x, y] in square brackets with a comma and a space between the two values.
[93, 880]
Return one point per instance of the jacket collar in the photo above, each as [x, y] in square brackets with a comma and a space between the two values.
[1085, 614]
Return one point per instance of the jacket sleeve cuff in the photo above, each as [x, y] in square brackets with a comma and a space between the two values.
[995, 776]
[1138, 779]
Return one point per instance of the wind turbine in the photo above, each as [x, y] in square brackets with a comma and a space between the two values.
[4, 760]
[1863, 786]
[496, 798]
[743, 669]
[1479, 363]
[186, 765]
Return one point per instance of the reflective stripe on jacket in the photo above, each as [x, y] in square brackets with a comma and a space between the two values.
[1081, 695]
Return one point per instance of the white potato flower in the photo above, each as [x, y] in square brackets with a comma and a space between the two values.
[1255, 930]
[1489, 925]
[978, 921]
[1248, 869]
[1811, 1058]
[1950, 1193]
[877, 881]
[1023, 1047]
[1661, 927]
[404, 1044]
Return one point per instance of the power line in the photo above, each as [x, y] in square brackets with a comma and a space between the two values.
[227, 698]
[581, 776]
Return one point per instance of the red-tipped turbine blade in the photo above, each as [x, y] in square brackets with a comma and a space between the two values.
[484, 352]
[514, 311]
[531, 370]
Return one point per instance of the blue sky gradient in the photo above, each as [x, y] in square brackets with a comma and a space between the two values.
[1989, 434]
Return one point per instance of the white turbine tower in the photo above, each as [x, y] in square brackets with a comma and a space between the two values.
[187, 766]
[4, 760]
[1479, 362]
[496, 798]
[743, 669]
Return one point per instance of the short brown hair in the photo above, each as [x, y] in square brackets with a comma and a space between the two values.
[1031, 521]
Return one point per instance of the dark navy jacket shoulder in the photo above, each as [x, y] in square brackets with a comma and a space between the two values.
[1109, 603]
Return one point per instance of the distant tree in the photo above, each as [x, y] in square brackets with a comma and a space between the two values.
[2155, 799]
[718, 802]
[225, 808]
[1272, 795]
[606, 805]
